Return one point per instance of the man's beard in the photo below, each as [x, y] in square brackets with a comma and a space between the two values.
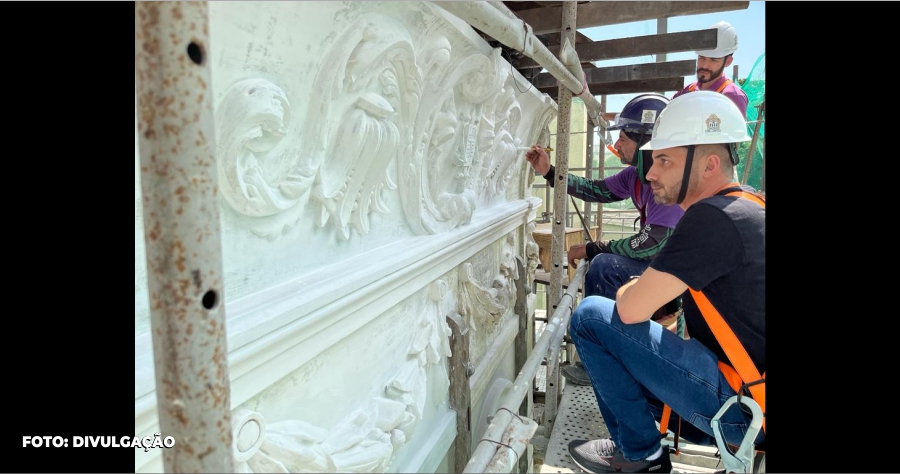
[712, 76]
[669, 194]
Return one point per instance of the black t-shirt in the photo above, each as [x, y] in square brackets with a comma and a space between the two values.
[719, 248]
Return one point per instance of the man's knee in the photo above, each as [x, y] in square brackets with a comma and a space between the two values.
[592, 311]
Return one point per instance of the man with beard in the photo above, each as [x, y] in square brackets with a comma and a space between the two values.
[614, 261]
[715, 260]
[711, 68]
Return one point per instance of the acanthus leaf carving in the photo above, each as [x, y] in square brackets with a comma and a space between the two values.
[497, 139]
[252, 118]
[439, 162]
[377, 71]
[474, 298]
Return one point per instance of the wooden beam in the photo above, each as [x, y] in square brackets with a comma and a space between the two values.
[548, 20]
[668, 84]
[553, 40]
[460, 392]
[646, 71]
[697, 40]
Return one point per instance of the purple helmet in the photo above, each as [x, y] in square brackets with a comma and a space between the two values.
[637, 120]
[639, 114]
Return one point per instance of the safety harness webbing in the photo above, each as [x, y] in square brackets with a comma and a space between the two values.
[743, 372]
[693, 87]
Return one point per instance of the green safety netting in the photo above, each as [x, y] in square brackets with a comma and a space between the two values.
[755, 88]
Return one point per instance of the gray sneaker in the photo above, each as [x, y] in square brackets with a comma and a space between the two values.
[602, 455]
[575, 374]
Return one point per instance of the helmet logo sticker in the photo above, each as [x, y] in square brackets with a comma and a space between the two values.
[712, 124]
[648, 116]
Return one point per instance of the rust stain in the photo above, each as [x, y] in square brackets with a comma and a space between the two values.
[179, 211]
[171, 130]
[155, 231]
[209, 450]
[179, 261]
[162, 170]
[176, 12]
[190, 329]
[183, 286]
[179, 413]
[198, 282]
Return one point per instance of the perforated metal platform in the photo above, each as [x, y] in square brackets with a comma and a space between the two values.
[579, 418]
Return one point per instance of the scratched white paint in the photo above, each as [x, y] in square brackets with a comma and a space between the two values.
[367, 160]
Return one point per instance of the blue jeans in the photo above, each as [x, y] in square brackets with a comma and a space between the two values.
[635, 368]
[609, 271]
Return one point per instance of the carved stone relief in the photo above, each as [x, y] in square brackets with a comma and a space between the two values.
[443, 151]
[366, 439]
[484, 296]
[498, 141]
[531, 252]
[379, 101]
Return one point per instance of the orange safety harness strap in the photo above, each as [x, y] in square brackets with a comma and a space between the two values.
[744, 371]
[693, 87]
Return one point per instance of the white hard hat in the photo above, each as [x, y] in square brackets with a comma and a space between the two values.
[727, 41]
[698, 118]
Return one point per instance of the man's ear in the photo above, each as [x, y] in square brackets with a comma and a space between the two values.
[712, 163]
[729, 60]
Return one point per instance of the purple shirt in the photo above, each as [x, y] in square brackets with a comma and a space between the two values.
[622, 184]
[732, 91]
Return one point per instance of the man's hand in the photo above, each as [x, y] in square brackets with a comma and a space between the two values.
[539, 159]
[576, 253]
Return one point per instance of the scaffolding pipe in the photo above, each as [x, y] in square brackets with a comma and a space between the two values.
[182, 234]
[503, 9]
[518, 35]
[560, 211]
[552, 336]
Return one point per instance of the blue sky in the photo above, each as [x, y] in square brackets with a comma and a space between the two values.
[750, 24]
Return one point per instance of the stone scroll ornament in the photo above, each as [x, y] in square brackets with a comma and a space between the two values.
[366, 439]
[252, 120]
[443, 153]
[497, 139]
[379, 101]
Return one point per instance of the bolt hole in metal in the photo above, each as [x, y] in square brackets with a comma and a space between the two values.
[210, 299]
[195, 52]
